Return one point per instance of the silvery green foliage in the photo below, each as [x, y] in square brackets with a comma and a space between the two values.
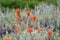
[39, 36]
[40, 11]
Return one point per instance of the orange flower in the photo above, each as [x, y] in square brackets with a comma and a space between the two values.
[49, 33]
[9, 38]
[5, 38]
[40, 29]
[16, 31]
[30, 29]
[34, 18]
[28, 12]
[18, 19]
[18, 11]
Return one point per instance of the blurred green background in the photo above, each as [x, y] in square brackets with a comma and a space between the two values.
[24, 3]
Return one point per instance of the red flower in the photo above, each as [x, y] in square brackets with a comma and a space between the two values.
[5, 38]
[40, 29]
[9, 38]
[30, 29]
[18, 11]
[49, 33]
[16, 31]
[34, 18]
[28, 12]
[18, 19]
